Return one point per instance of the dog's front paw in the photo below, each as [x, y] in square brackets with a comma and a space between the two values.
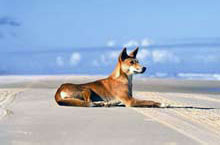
[98, 104]
[164, 105]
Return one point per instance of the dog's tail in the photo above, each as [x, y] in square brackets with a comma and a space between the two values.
[57, 95]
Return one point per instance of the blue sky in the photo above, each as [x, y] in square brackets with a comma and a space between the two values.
[42, 24]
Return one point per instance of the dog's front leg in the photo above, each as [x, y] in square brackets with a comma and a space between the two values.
[144, 103]
[132, 102]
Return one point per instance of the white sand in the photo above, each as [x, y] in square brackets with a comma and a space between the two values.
[29, 114]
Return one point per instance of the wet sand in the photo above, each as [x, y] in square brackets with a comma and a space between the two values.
[29, 114]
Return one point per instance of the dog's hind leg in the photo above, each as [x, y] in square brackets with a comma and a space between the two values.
[80, 100]
[86, 93]
[74, 102]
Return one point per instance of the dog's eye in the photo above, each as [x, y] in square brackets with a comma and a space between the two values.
[131, 62]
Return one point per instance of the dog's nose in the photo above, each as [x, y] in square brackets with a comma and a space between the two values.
[143, 69]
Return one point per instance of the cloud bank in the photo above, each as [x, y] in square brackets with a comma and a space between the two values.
[164, 56]
[144, 55]
[131, 43]
[73, 60]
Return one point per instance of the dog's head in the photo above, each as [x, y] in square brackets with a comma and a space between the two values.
[129, 63]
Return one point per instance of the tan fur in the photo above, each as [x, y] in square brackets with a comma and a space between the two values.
[113, 90]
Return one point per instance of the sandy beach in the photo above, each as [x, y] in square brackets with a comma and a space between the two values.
[29, 114]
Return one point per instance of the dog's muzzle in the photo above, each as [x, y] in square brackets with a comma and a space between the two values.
[142, 70]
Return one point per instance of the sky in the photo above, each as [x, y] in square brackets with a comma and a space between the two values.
[56, 36]
[55, 24]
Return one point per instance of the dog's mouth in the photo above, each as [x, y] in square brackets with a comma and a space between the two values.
[136, 72]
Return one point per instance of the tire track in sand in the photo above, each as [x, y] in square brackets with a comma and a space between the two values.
[202, 125]
[207, 117]
[8, 96]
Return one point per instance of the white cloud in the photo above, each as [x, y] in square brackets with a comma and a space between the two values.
[134, 43]
[162, 56]
[109, 58]
[75, 58]
[131, 43]
[143, 53]
[59, 61]
[146, 42]
[114, 54]
[106, 58]
[111, 43]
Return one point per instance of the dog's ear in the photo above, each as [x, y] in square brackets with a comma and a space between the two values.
[134, 52]
[123, 54]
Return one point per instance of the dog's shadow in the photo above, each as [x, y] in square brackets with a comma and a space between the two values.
[176, 107]
[190, 107]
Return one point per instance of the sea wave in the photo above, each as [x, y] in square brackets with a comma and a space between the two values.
[200, 76]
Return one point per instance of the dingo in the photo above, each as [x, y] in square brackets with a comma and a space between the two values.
[111, 91]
